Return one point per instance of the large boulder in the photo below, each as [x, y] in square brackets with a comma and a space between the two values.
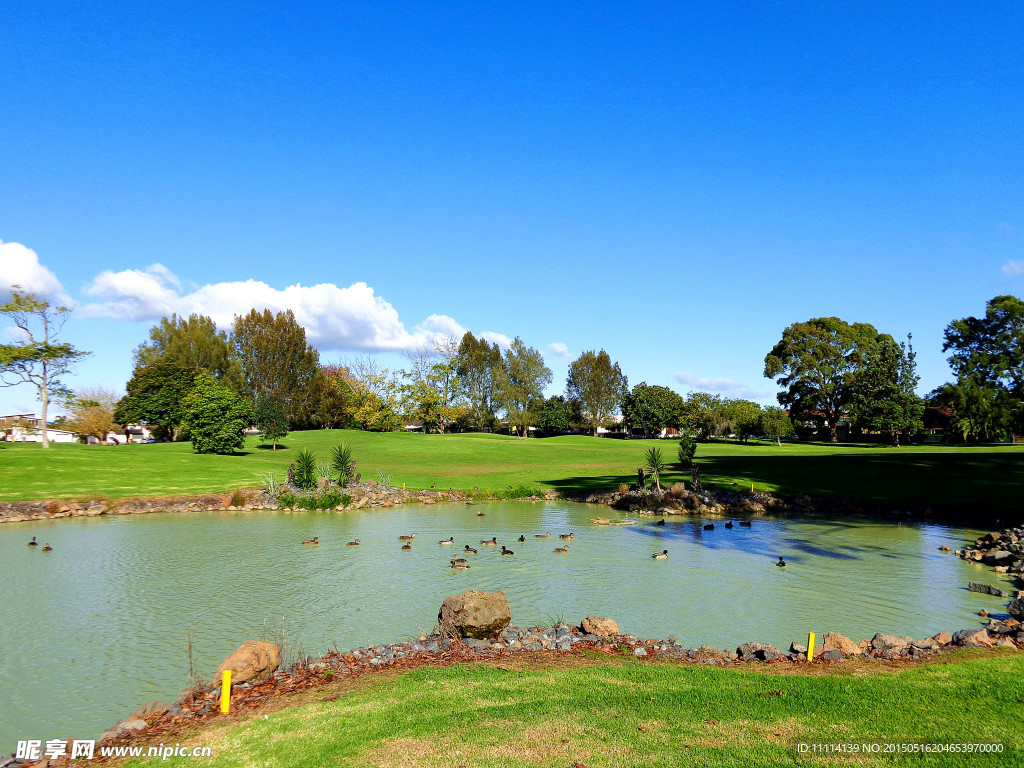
[678, 491]
[254, 660]
[972, 638]
[596, 625]
[833, 641]
[758, 652]
[1016, 609]
[475, 614]
[884, 642]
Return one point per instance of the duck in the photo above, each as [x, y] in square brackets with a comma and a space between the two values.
[663, 555]
[450, 540]
[407, 538]
[33, 543]
[469, 549]
[491, 542]
[562, 550]
[522, 538]
[542, 535]
[781, 563]
[314, 540]
[459, 561]
[407, 545]
[460, 566]
[566, 536]
[745, 523]
[506, 551]
[47, 548]
[480, 514]
[729, 524]
[661, 521]
[353, 543]
[709, 527]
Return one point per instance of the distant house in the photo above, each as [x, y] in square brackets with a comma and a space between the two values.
[27, 428]
[413, 425]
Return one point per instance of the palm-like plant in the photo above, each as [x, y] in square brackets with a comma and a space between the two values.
[342, 463]
[656, 465]
[305, 474]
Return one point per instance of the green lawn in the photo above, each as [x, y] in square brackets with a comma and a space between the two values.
[620, 712]
[979, 478]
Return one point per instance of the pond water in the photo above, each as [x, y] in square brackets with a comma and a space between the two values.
[101, 624]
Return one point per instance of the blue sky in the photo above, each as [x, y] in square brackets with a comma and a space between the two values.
[675, 183]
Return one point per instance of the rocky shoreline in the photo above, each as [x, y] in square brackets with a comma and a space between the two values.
[157, 721]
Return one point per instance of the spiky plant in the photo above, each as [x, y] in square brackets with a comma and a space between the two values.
[656, 466]
[342, 463]
[305, 473]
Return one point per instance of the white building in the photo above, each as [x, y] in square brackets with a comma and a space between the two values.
[27, 428]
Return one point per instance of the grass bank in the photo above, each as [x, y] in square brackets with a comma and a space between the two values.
[613, 711]
[973, 477]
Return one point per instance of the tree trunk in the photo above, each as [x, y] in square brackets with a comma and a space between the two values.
[778, 440]
[44, 397]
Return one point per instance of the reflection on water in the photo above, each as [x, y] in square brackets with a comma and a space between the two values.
[100, 625]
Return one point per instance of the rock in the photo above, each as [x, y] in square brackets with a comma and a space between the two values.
[133, 724]
[972, 638]
[928, 644]
[832, 654]
[1016, 609]
[602, 627]
[640, 652]
[998, 557]
[942, 638]
[678, 491]
[833, 641]
[758, 652]
[983, 613]
[884, 642]
[254, 660]
[1005, 642]
[475, 614]
[152, 707]
[945, 548]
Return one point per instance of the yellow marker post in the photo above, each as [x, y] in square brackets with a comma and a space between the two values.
[751, 486]
[225, 692]
[810, 646]
[403, 486]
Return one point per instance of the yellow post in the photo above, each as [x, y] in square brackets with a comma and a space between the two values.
[225, 692]
[810, 646]
[751, 486]
[403, 486]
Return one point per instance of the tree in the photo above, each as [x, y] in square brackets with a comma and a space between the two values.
[154, 397]
[215, 416]
[776, 423]
[705, 413]
[744, 416]
[556, 414]
[519, 384]
[193, 343]
[329, 400]
[275, 358]
[598, 384]
[432, 392]
[818, 362]
[652, 408]
[884, 399]
[91, 412]
[375, 394]
[980, 411]
[270, 419]
[37, 357]
[655, 465]
[476, 366]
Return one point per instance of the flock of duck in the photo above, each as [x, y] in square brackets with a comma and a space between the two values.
[461, 564]
[35, 543]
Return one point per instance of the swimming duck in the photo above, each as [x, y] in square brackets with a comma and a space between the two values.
[709, 527]
[542, 535]
[566, 536]
[729, 524]
[522, 538]
[470, 549]
[506, 551]
[407, 545]
[407, 538]
[562, 550]
[661, 521]
[491, 542]
[459, 561]
[353, 543]
[479, 514]
[745, 523]
[314, 540]
[781, 563]
[33, 543]
[450, 540]
[460, 566]
[47, 548]
[663, 555]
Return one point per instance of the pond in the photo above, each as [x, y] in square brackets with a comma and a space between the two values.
[102, 624]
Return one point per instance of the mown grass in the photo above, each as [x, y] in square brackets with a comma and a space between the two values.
[619, 712]
[983, 477]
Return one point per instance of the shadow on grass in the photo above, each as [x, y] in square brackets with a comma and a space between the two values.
[270, 447]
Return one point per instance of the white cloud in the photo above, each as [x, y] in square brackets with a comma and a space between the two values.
[721, 386]
[20, 266]
[352, 318]
[1012, 268]
[503, 341]
[559, 349]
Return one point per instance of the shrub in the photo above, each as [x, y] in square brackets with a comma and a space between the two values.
[237, 499]
[304, 474]
[687, 449]
[656, 465]
[342, 463]
[214, 416]
[519, 492]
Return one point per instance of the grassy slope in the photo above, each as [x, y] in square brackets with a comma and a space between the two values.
[975, 477]
[592, 713]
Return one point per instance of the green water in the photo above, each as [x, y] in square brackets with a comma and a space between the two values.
[100, 625]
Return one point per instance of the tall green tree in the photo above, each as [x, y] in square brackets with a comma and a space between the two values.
[37, 356]
[432, 390]
[705, 413]
[652, 408]
[269, 418]
[556, 414]
[154, 397]
[981, 412]
[884, 399]
[476, 365]
[744, 417]
[775, 422]
[215, 416]
[192, 343]
[275, 358]
[598, 384]
[519, 384]
[817, 362]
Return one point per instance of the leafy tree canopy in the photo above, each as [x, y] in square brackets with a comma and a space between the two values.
[652, 408]
[598, 384]
[193, 343]
[884, 398]
[476, 365]
[519, 383]
[775, 422]
[556, 414]
[990, 349]
[154, 397]
[270, 419]
[215, 416]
